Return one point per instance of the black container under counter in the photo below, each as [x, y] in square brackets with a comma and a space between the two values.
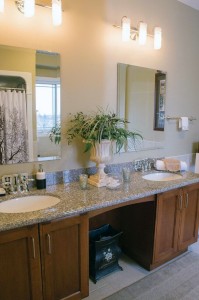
[104, 252]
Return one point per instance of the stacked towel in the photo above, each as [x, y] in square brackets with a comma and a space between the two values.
[171, 164]
[197, 163]
[184, 123]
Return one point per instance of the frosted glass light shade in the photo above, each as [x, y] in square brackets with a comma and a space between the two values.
[126, 29]
[1, 5]
[57, 12]
[29, 8]
[157, 38]
[142, 33]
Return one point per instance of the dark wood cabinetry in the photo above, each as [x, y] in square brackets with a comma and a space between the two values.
[64, 254]
[163, 227]
[176, 222]
[20, 272]
[49, 261]
[62, 270]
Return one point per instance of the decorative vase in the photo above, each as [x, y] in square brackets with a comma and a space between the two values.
[101, 153]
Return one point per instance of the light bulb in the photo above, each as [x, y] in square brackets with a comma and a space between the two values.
[126, 29]
[1, 5]
[29, 8]
[157, 38]
[142, 33]
[57, 12]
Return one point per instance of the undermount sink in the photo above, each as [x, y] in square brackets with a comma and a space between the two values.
[28, 203]
[162, 176]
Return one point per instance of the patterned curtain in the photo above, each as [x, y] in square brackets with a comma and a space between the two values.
[13, 127]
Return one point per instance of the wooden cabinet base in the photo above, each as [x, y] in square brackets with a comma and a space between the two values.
[45, 262]
[20, 272]
[157, 264]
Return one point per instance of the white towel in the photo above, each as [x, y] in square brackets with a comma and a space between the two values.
[184, 123]
[160, 165]
[197, 163]
[183, 166]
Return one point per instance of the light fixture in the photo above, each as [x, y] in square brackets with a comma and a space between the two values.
[157, 38]
[57, 12]
[27, 7]
[1, 5]
[126, 29]
[142, 35]
[139, 34]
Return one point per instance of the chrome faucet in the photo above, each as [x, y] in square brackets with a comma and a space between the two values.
[144, 165]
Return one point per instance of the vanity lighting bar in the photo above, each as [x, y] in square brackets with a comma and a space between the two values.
[177, 118]
[139, 34]
[27, 7]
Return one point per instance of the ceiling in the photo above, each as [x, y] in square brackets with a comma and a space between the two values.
[192, 3]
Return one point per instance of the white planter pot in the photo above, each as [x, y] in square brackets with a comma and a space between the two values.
[101, 153]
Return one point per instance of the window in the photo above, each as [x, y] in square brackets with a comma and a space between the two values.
[47, 105]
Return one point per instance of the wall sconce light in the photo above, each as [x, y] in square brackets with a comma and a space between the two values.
[1, 5]
[157, 38]
[139, 33]
[57, 12]
[27, 7]
[126, 29]
[142, 34]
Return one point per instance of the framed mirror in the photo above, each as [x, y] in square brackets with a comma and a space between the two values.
[139, 101]
[29, 105]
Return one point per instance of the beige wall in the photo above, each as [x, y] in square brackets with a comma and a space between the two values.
[90, 49]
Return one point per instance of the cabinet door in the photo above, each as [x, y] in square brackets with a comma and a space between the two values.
[20, 272]
[64, 250]
[188, 233]
[167, 224]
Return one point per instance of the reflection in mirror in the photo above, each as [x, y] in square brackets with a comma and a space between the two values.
[47, 102]
[29, 80]
[136, 103]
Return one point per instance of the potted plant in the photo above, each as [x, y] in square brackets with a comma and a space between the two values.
[55, 134]
[99, 131]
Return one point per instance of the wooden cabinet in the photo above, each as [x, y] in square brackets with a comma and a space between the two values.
[162, 228]
[20, 272]
[177, 217]
[47, 261]
[64, 253]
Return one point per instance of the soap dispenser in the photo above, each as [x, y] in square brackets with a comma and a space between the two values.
[40, 178]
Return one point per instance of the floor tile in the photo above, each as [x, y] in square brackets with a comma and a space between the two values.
[114, 282]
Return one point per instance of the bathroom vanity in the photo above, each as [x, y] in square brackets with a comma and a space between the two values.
[44, 254]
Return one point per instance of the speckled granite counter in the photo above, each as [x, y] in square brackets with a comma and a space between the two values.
[75, 201]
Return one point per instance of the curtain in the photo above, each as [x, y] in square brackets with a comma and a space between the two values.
[13, 127]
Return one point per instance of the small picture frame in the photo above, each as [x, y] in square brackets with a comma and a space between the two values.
[160, 96]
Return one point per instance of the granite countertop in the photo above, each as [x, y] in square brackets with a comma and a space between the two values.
[74, 201]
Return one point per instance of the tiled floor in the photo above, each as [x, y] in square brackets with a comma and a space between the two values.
[118, 280]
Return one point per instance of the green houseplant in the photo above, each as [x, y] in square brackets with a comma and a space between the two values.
[55, 134]
[99, 132]
[102, 125]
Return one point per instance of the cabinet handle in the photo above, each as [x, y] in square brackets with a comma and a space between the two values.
[33, 247]
[180, 202]
[187, 200]
[49, 244]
